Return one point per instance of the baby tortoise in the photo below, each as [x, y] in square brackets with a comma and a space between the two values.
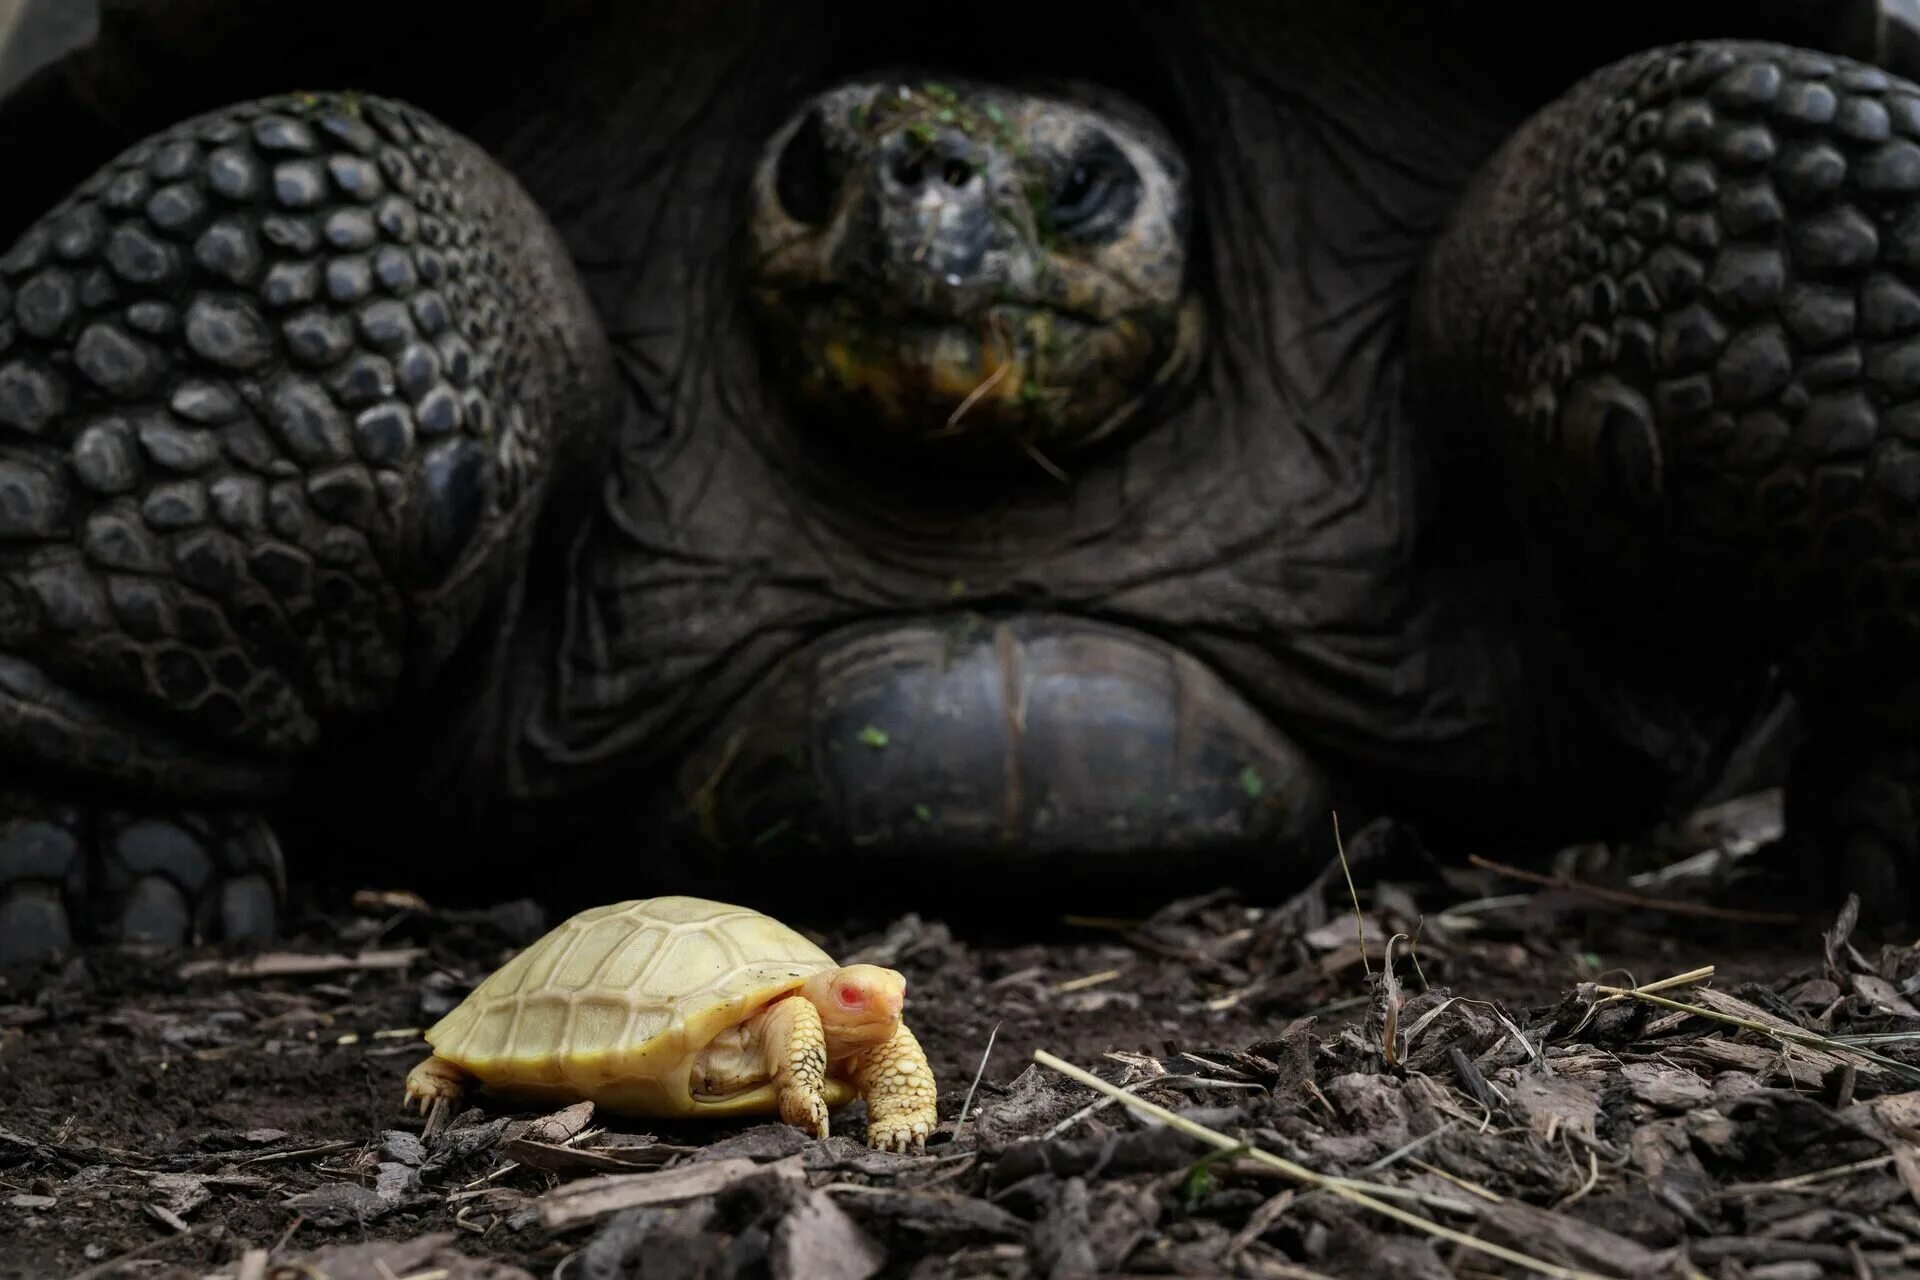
[682, 1006]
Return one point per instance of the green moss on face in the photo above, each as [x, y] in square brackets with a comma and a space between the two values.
[1040, 201]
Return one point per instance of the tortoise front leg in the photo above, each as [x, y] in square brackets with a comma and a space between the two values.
[898, 1085]
[436, 1082]
[794, 1040]
[1678, 316]
[282, 391]
[152, 874]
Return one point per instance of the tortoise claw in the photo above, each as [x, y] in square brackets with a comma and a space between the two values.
[901, 1137]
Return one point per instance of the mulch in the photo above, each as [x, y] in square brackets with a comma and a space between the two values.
[1593, 1076]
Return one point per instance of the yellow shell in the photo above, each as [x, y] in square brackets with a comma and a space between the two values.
[614, 1005]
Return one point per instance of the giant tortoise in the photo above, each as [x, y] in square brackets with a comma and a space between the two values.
[713, 447]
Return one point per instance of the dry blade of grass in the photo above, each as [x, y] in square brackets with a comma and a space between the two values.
[1359, 920]
[1611, 994]
[1347, 1189]
[1086, 982]
[1789, 1034]
[960, 1122]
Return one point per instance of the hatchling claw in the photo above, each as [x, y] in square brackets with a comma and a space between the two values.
[901, 1136]
[807, 1112]
[435, 1080]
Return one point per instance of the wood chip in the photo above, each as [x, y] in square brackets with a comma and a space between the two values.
[556, 1128]
[592, 1198]
[168, 1216]
[371, 900]
[1562, 1237]
[817, 1240]
[550, 1157]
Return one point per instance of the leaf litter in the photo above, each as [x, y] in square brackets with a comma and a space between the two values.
[1418, 1072]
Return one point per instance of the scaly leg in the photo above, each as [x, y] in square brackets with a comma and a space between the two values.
[1679, 315]
[281, 392]
[898, 1086]
[795, 1044]
[151, 875]
[435, 1081]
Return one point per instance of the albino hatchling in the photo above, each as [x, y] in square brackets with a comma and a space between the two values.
[677, 1007]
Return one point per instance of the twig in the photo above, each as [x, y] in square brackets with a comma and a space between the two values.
[299, 1153]
[1346, 1189]
[961, 1123]
[1359, 921]
[1627, 898]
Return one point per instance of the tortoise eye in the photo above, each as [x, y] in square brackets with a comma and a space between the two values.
[852, 997]
[805, 176]
[1094, 198]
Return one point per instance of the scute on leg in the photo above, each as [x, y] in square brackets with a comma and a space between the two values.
[898, 1085]
[1680, 314]
[434, 1087]
[795, 1044]
[281, 391]
[70, 874]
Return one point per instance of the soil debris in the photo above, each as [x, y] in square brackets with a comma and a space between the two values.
[1456, 1080]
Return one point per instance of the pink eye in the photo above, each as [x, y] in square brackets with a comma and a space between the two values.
[851, 997]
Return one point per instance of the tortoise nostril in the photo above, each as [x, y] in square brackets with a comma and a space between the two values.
[915, 160]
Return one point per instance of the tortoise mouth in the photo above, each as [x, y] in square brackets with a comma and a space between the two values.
[919, 374]
[1032, 740]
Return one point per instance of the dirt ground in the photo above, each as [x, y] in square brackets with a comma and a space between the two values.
[1494, 1105]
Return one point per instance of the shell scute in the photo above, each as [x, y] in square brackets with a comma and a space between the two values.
[692, 965]
[630, 959]
[598, 1026]
[590, 953]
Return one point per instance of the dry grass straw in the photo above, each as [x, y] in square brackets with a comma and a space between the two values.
[966, 1107]
[1780, 1031]
[1359, 920]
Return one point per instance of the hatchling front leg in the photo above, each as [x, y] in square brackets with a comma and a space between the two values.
[796, 1048]
[898, 1085]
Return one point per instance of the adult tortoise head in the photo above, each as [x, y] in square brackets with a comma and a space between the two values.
[938, 259]
[559, 444]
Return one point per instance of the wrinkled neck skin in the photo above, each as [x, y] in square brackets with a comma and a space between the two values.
[1275, 521]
